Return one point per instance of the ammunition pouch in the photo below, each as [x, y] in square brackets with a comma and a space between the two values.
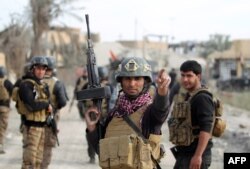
[128, 152]
[219, 127]
[158, 150]
[180, 135]
[219, 123]
[180, 127]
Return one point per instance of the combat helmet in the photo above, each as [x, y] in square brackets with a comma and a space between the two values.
[38, 60]
[51, 62]
[134, 67]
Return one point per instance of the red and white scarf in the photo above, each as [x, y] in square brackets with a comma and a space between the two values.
[128, 106]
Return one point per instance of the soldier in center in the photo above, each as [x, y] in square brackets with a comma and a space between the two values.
[131, 133]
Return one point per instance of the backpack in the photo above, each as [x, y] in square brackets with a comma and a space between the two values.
[219, 125]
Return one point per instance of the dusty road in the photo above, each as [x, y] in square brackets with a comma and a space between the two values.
[72, 152]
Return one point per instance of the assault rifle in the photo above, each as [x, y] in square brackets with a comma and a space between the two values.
[94, 90]
[51, 122]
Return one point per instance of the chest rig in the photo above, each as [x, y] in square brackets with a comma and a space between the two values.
[122, 148]
[40, 95]
[180, 121]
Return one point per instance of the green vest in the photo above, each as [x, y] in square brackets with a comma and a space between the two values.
[180, 121]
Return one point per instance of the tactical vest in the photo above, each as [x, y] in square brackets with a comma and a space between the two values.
[4, 92]
[38, 116]
[122, 148]
[180, 122]
[51, 83]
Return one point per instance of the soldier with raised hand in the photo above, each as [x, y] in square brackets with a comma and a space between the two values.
[34, 105]
[135, 145]
[5, 95]
[58, 100]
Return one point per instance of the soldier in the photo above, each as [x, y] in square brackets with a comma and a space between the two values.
[132, 131]
[5, 94]
[34, 105]
[80, 83]
[58, 99]
[191, 120]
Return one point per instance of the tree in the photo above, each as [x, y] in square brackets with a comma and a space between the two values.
[42, 13]
[216, 42]
[15, 44]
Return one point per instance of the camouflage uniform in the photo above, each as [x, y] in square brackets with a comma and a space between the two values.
[58, 99]
[33, 104]
[5, 90]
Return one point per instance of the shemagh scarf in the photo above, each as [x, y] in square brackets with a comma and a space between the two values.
[129, 106]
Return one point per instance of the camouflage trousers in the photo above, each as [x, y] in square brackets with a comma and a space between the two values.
[33, 145]
[49, 144]
[4, 116]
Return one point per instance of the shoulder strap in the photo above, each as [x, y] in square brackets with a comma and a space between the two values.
[28, 80]
[201, 90]
[138, 131]
[134, 127]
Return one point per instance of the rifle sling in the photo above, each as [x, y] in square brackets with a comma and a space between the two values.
[138, 131]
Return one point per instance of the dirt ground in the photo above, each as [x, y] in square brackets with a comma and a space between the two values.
[72, 152]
